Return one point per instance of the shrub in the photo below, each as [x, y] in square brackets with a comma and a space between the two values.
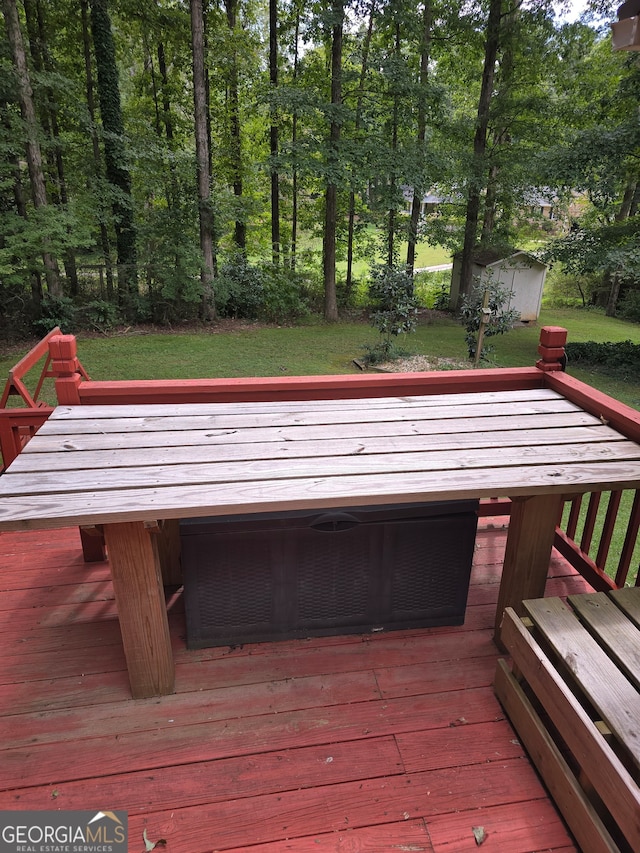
[629, 306]
[240, 289]
[432, 289]
[100, 314]
[499, 321]
[621, 358]
[393, 304]
[55, 311]
[286, 294]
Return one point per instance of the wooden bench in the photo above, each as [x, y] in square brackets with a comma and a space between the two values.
[573, 696]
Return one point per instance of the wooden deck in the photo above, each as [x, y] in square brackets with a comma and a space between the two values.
[378, 743]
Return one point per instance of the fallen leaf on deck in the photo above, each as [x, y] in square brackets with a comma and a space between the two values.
[479, 834]
[151, 845]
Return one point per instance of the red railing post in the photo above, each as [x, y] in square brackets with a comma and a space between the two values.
[551, 348]
[65, 366]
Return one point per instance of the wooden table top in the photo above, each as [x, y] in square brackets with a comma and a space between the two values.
[101, 464]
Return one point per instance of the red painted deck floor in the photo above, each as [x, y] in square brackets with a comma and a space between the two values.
[380, 743]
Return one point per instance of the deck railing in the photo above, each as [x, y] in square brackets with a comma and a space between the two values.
[585, 538]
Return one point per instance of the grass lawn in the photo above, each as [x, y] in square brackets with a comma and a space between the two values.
[315, 348]
[426, 256]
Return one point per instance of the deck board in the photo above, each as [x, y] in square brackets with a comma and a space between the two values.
[373, 743]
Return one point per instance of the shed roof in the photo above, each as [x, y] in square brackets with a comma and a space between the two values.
[490, 257]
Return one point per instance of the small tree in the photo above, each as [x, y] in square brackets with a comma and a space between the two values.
[500, 319]
[394, 306]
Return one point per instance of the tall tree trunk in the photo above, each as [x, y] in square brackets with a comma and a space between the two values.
[331, 193]
[392, 215]
[613, 280]
[34, 155]
[490, 202]
[273, 132]
[418, 191]
[104, 233]
[42, 61]
[235, 131]
[364, 68]
[635, 201]
[203, 160]
[630, 192]
[116, 168]
[35, 279]
[294, 142]
[477, 177]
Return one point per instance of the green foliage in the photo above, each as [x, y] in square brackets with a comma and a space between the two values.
[287, 295]
[564, 289]
[500, 320]
[393, 303]
[239, 289]
[432, 289]
[620, 358]
[629, 306]
[55, 311]
[99, 314]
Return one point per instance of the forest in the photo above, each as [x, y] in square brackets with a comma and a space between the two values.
[168, 161]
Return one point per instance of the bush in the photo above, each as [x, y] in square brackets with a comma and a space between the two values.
[621, 358]
[55, 311]
[433, 289]
[500, 320]
[629, 306]
[100, 315]
[286, 294]
[393, 303]
[240, 289]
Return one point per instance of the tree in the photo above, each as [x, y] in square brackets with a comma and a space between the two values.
[205, 214]
[235, 127]
[95, 145]
[331, 191]
[416, 201]
[273, 132]
[117, 170]
[476, 178]
[33, 152]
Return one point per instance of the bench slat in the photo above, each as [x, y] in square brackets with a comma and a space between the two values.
[612, 695]
[612, 630]
[595, 757]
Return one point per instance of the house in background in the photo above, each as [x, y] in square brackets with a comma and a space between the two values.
[519, 273]
[428, 203]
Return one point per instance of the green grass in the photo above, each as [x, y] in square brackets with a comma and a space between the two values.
[317, 348]
[426, 256]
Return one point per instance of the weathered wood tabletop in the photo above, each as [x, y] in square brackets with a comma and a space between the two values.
[100, 464]
[127, 467]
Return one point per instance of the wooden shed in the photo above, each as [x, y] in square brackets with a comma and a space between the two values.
[519, 273]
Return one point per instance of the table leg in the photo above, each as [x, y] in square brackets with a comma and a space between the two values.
[527, 556]
[137, 582]
[166, 542]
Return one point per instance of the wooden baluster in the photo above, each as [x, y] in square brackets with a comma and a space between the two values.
[574, 515]
[629, 543]
[608, 528]
[590, 522]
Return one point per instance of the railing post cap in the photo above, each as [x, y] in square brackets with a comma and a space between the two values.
[63, 347]
[553, 336]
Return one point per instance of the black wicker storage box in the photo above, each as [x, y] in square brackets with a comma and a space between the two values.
[299, 574]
